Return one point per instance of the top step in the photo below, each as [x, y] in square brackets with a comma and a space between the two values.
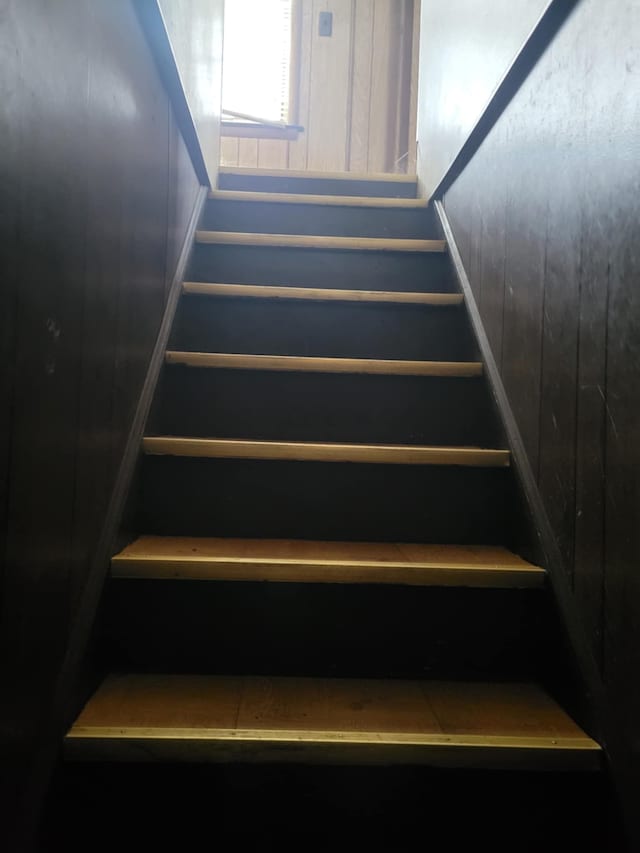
[318, 183]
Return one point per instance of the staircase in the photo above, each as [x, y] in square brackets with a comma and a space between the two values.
[325, 572]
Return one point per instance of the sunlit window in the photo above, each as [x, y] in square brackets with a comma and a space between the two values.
[257, 59]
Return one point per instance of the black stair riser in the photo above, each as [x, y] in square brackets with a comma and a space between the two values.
[334, 268]
[338, 329]
[271, 807]
[318, 500]
[317, 186]
[323, 630]
[282, 218]
[290, 406]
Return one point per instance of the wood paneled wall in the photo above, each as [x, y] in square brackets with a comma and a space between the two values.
[97, 192]
[356, 93]
[547, 218]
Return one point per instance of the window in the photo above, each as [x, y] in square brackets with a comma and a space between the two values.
[256, 77]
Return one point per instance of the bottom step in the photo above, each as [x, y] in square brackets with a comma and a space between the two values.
[341, 721]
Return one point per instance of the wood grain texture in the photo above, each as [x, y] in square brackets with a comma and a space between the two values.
[298, 561]
[349, 88]
[92, 145]
[305, 24]
[322, 719]
[321, 294]
[273, 154]
[327, 126]
[212, 448]
[360, 74]
[295, 241]
[388, 367]
[565, 216]
[330, 200]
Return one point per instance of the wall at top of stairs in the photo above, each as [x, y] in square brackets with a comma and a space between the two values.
[356, 97]
[97, 193]
[546, 217]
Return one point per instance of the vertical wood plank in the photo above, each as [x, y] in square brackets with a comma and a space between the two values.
[558, 390]
[361, 86]
[588, 564]
[248, 153]
[382, 107]
[329, 97]
[527, 208]
[400, 71]
[273, 154]
[413, 97]
[229, 151]
[492, 261]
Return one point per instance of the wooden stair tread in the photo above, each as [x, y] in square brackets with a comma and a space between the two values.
[309, 364]
[215, 448]
[220, 717]
[319, 294]
[305, 241]
[323, 200]
[365, 177]
[291, 560]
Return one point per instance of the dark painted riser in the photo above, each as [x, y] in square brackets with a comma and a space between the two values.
[317, 186]
[282, 218]
[323, 630]
[283, 406]
[325, 501]
[291, 807]
[356, 270]
[335, 329]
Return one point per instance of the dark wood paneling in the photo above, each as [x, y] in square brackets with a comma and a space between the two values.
[564, 156]
[97, 195]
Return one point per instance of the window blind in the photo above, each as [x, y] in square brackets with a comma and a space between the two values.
[257, 58]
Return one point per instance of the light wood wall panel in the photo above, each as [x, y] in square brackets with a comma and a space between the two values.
[362, 61]
[351, 92]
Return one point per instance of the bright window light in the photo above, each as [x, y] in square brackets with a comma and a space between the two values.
[257, 59]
